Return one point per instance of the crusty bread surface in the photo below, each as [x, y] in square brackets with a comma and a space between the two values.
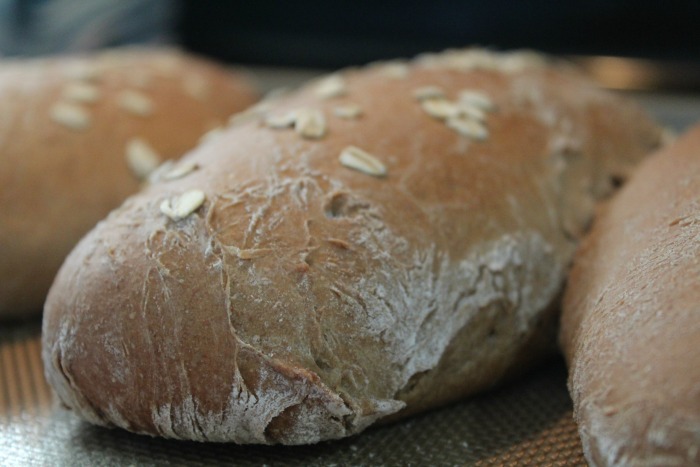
[80, 134]
[382, 241]
[631, 320]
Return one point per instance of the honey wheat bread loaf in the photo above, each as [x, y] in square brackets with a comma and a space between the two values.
[631, 321]
[79, 134]
[380, 242]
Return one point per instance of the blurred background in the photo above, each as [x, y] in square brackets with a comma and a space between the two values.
[336, 33]
[332, 34]
[624, 44]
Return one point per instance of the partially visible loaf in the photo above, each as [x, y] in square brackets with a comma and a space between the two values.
[383, 241]
[79, 134]
[631, 320]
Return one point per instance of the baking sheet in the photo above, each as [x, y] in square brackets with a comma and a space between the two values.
[526, 422]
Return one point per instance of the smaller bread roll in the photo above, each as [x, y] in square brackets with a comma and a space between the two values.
[79, 134]
[631, 322]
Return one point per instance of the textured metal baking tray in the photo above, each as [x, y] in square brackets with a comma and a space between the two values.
[526, 422]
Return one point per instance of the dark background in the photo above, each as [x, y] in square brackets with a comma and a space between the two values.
[661, 37]
[333, 34]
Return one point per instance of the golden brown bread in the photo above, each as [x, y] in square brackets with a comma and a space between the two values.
[631, 322]
[78, 135]
[383, 241]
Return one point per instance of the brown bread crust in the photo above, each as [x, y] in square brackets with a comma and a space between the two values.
[631, 322]
[66, 125]
[306, 299]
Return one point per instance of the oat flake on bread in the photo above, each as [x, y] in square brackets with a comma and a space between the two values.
[306, 299]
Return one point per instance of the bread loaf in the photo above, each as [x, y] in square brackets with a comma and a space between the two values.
[380, 242]
[79, 134]
[631, 322]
